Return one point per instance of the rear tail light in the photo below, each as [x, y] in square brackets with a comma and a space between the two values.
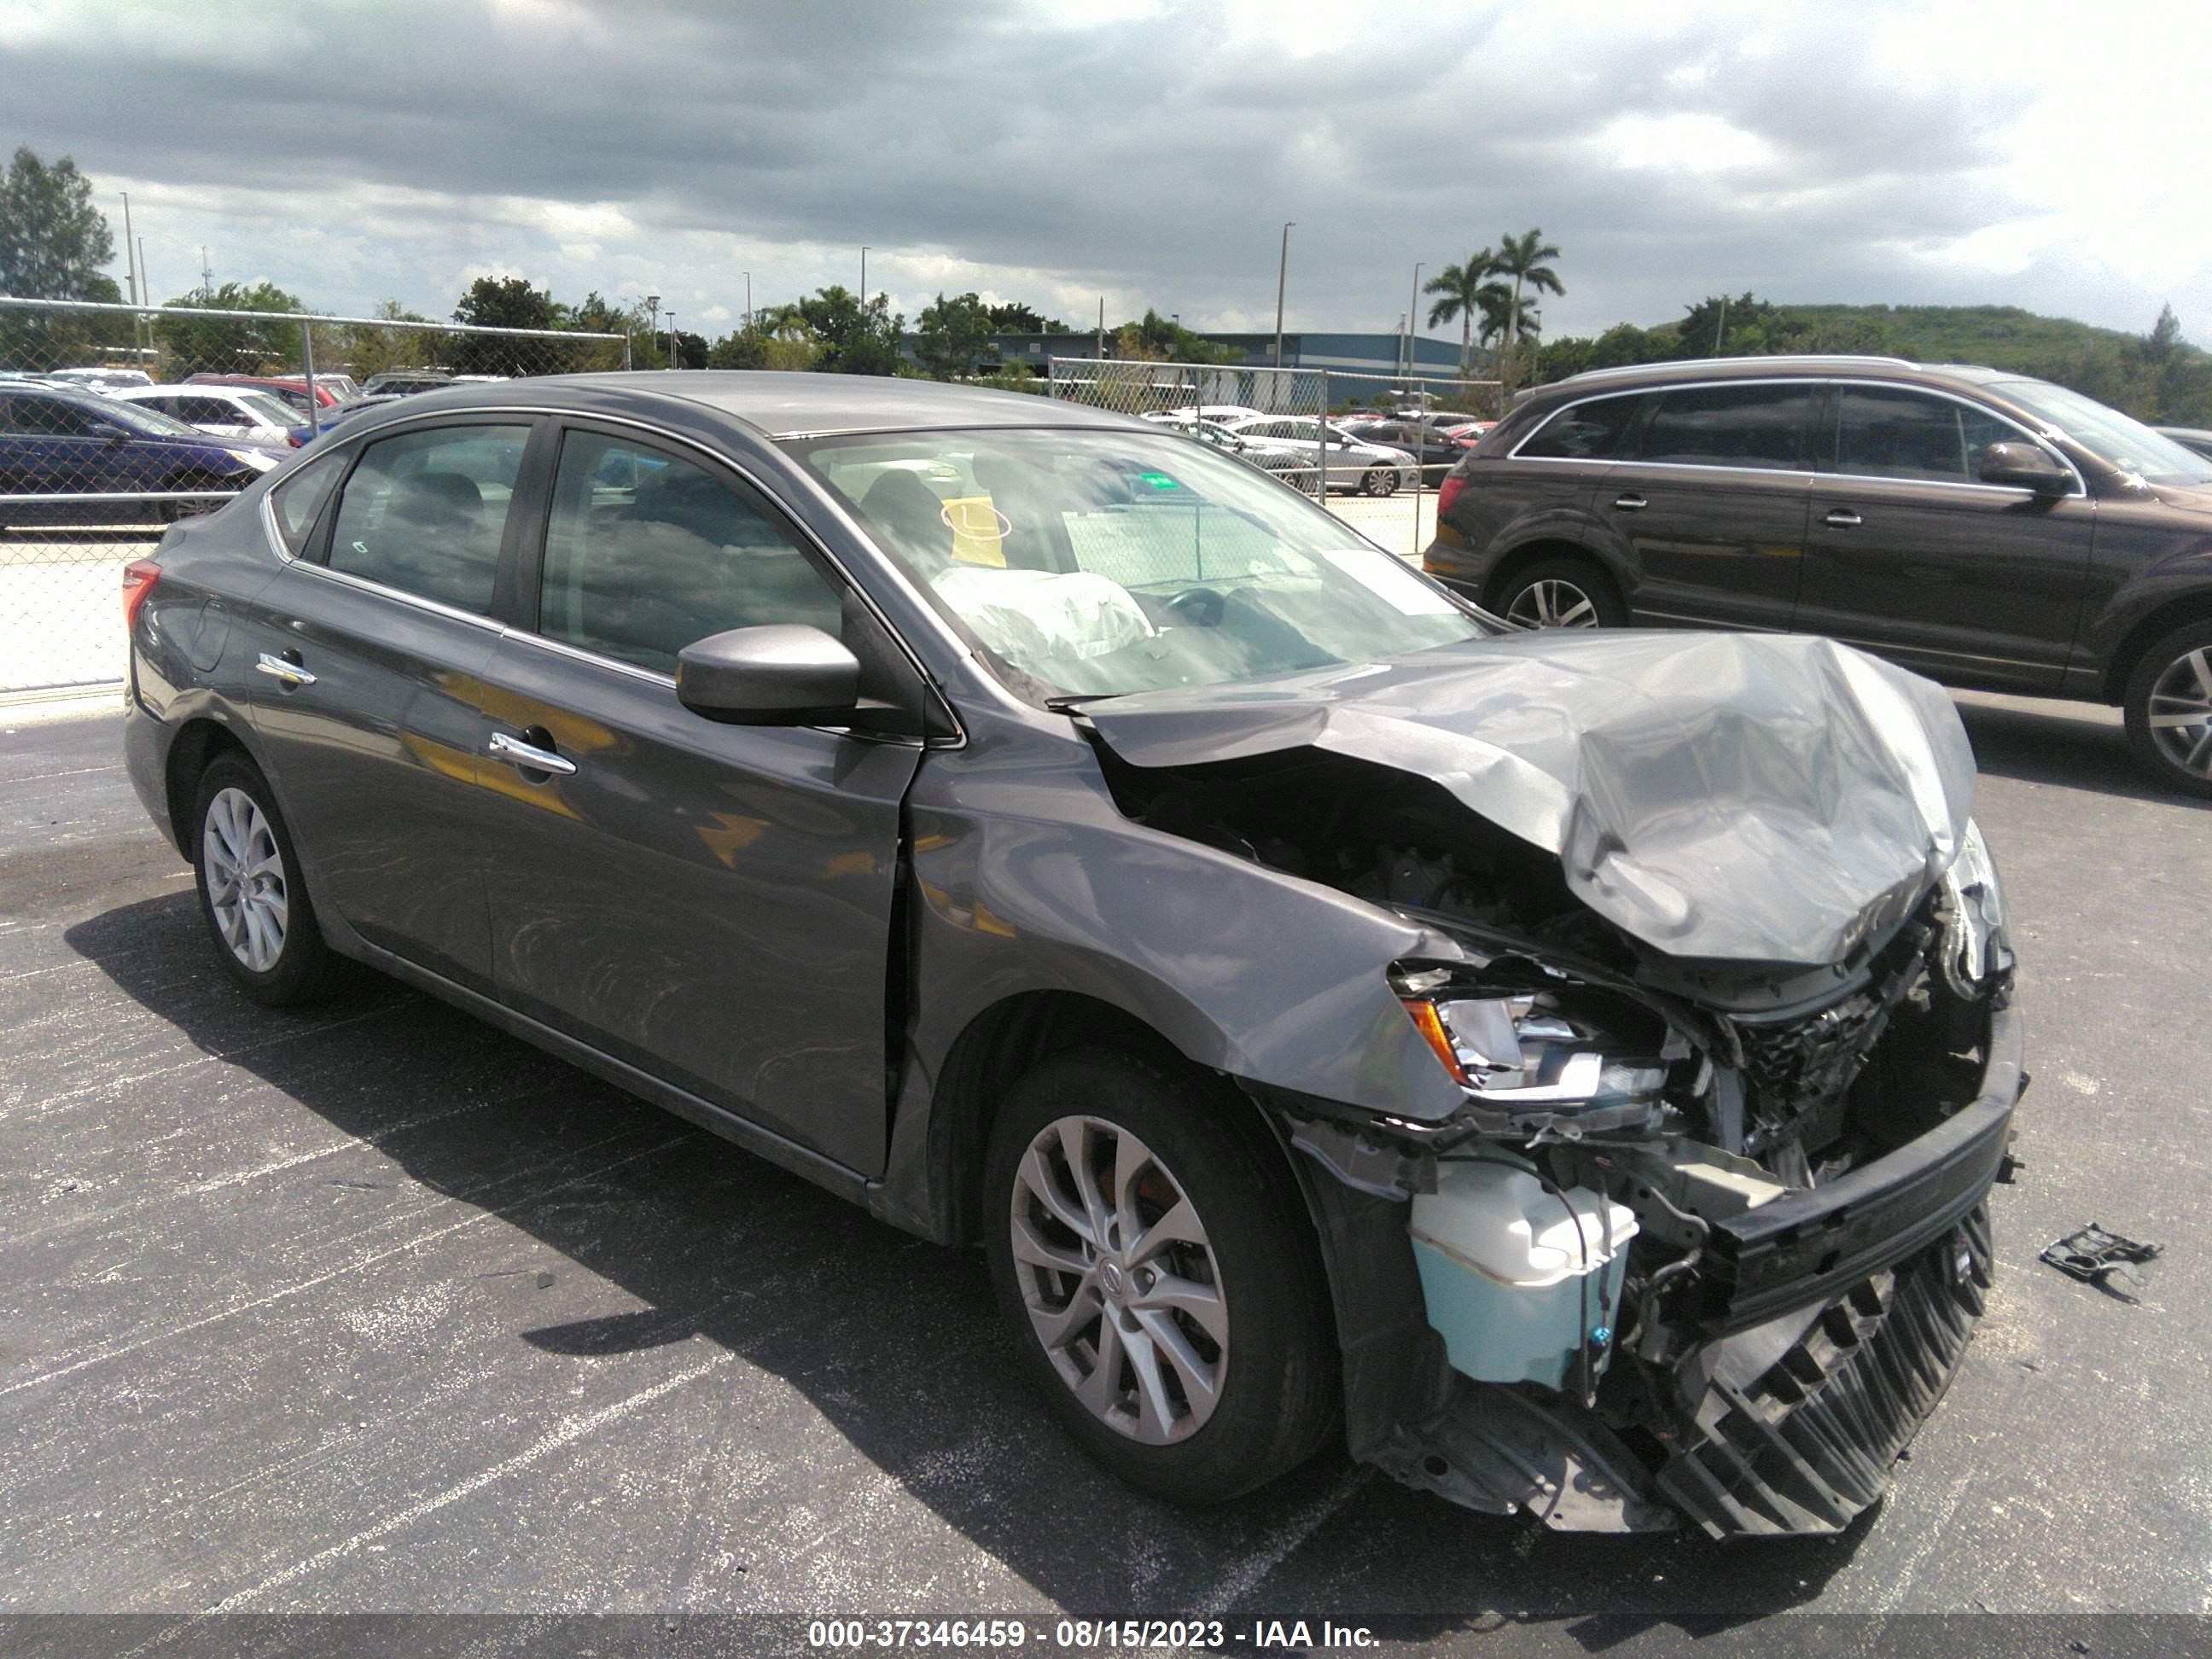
[138, 578]
[1448, 492]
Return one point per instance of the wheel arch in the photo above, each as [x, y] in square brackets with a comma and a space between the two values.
[2146, 631]
[1512, 563]
[198, 743]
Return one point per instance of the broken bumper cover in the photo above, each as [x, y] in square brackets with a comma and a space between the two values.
[1831, 1324]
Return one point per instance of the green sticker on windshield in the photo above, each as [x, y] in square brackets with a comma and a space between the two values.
[1159, 481]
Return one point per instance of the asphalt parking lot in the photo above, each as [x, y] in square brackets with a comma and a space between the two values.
[374, 1308]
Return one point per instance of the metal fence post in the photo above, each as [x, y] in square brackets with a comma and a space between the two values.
[1321, 445]
[307, 369]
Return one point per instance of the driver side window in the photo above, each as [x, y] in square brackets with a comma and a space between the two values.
[647, 552]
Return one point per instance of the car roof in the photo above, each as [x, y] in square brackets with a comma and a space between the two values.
[1633, 376]
[793, 404]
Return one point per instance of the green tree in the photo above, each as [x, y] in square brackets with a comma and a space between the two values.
[1459, 291]
[855, 338]
[2165, 335]
[192, 344]
[505, 302]
[52, 241]
[1155, 338]
[1024, 319]
[779, 339]
[952, 334]
[1522, 258]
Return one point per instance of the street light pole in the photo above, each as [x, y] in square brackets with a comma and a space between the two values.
[1413, 312]
[749, 302]
[1282, 271]
[671, 338]
[864, 276]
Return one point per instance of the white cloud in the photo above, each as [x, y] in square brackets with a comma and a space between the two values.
[1145, 150]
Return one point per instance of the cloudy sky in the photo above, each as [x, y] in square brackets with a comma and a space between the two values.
[1146, 151]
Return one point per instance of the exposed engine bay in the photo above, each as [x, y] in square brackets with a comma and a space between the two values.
[1642, 1248]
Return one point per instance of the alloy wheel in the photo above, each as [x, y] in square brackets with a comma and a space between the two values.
[246, 881]
[2180, 713]
[1380, 483]
[1552, 603]
[1119, 1280]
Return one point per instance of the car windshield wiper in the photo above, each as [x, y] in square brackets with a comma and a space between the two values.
[1068, 705]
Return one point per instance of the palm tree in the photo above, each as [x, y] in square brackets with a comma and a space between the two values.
[1521, 258]
[1461, 290]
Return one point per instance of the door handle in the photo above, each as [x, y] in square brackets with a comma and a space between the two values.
[1843, 519]
[529, 757]
[1631, 502]
[291, 673]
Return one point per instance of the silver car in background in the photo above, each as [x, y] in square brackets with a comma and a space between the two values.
[1351, 463]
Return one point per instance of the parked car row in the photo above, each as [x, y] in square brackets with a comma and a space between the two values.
[1987, 530]
[110, 446]
[72, 458]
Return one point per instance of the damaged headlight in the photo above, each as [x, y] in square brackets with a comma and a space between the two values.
[1533, 1059]
[1975, 952]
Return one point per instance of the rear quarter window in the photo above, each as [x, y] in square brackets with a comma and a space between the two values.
[1591, 431]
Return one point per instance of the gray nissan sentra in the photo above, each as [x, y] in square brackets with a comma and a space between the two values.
[1570, 1067]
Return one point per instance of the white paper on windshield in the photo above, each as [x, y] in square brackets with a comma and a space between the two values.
[1389, 580]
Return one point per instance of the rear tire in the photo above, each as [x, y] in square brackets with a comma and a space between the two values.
[170, 512]
[1561, 593]
[2169, 705]
[1381, 481]
[1235, 1299]
[252, 897]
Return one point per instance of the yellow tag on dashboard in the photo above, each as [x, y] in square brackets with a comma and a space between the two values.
[978, 529]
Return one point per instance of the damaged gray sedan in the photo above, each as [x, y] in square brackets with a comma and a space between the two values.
[1570, 1067]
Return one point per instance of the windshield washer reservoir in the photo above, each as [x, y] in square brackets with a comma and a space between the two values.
[1509, 1274]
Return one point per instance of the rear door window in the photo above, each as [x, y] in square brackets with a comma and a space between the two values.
[647, 552]
[1591, 431]
[425, 512]
[1734, 426]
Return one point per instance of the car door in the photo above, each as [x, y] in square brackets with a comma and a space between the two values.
[1713, 504]
[367, 660]
[57, 452]
[1910, 554]
[712, 904]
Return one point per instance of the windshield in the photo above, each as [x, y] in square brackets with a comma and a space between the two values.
[2127, 444]
[1100, 563]
[148, 422]
[268, 410]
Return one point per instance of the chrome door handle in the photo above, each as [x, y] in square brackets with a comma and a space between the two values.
[529, 757]
[1843, 519]
[1631, 502]
[290, 672]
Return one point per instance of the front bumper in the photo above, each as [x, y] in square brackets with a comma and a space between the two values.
[1824, 1329]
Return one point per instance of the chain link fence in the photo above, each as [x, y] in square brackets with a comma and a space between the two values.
[116, 420]
[1372, 448]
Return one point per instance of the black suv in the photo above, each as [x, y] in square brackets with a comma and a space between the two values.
[1987, 530]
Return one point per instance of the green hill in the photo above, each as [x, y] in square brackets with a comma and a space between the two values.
[2157, 377]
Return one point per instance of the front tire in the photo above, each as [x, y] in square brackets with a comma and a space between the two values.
[1162, 1279]
[2169, 704]
[252, 895]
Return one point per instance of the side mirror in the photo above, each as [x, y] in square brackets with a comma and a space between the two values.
[2026, 466]
[114, 434]
[785, 674]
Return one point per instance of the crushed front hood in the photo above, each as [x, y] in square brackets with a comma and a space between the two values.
[1723, 797]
